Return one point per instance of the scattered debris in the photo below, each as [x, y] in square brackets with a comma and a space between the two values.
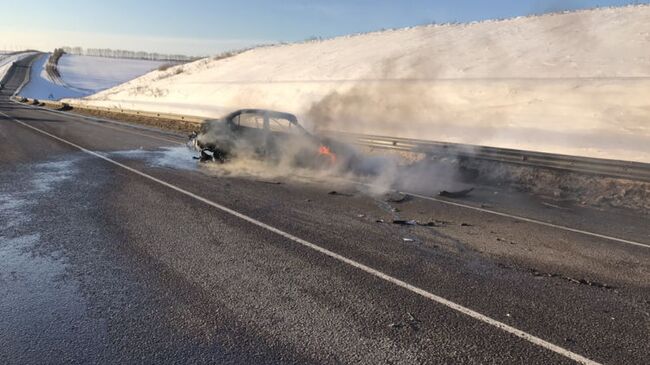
[379, 221]
[466, 225]
[573, 280]
[455, 194]
[270, 182]
[334, 192]
[397, 197]
[427, 224]
[405, 222]
[408, 239]
[595, 284]
[410, 321]
[361, 215]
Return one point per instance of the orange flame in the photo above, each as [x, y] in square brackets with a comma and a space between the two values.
[325, 151]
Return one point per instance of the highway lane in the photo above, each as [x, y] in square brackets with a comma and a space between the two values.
[117, 267]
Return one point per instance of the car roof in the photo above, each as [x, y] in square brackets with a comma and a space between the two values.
[264, 112]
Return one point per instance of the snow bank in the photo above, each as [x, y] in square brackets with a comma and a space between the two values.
[82, 76]
[575, 83]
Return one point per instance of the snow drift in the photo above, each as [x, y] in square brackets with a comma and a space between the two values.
[575, 83]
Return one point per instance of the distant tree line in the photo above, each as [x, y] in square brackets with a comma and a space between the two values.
[52, 63]
[120, 53]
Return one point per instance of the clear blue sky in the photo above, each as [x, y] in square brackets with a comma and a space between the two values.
[203, 27]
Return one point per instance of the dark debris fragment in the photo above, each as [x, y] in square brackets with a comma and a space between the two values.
[455, 194]
[572, 280]
[397, 197]
[334, 192]
[410, 321]
[402, 222]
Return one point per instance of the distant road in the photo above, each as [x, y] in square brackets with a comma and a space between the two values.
[116, 248]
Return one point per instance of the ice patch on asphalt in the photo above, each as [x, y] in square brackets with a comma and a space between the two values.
[16, 198]
[34, 288]
[176, 157]
[48, 174]
[180, 158]
[10, 206]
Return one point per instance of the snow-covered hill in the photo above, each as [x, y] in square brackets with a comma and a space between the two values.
[83, 75]
[575, 83]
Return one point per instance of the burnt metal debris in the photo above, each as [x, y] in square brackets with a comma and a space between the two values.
[410, 321]
[405, 222]
[334, 192]
[397, 197]
[456, 194]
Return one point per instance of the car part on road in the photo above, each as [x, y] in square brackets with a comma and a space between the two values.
[455, 194]
[402, 222]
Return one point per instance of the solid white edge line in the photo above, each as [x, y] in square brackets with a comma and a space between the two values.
[100, 122]
[530, 220]
[457, 307]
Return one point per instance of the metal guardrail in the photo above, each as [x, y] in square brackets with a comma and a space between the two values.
[80, 106]
[602, 167]
[171, 116]
[611, 168]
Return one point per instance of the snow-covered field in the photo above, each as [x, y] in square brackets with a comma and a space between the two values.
[83, 75]
[575, 83]
[100, 73]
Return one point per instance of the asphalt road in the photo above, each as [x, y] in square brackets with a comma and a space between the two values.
[116, 247]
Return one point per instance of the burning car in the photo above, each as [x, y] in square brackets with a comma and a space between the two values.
[263, 134]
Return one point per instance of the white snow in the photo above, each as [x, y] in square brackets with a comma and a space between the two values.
[575, 83]
[83, 75]
[100, 73]
[41, 86]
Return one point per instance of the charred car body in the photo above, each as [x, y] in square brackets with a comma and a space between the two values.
[265, 134]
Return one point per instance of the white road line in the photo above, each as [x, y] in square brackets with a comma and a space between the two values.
[99, 121]
[530, 220]
[435, 298]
